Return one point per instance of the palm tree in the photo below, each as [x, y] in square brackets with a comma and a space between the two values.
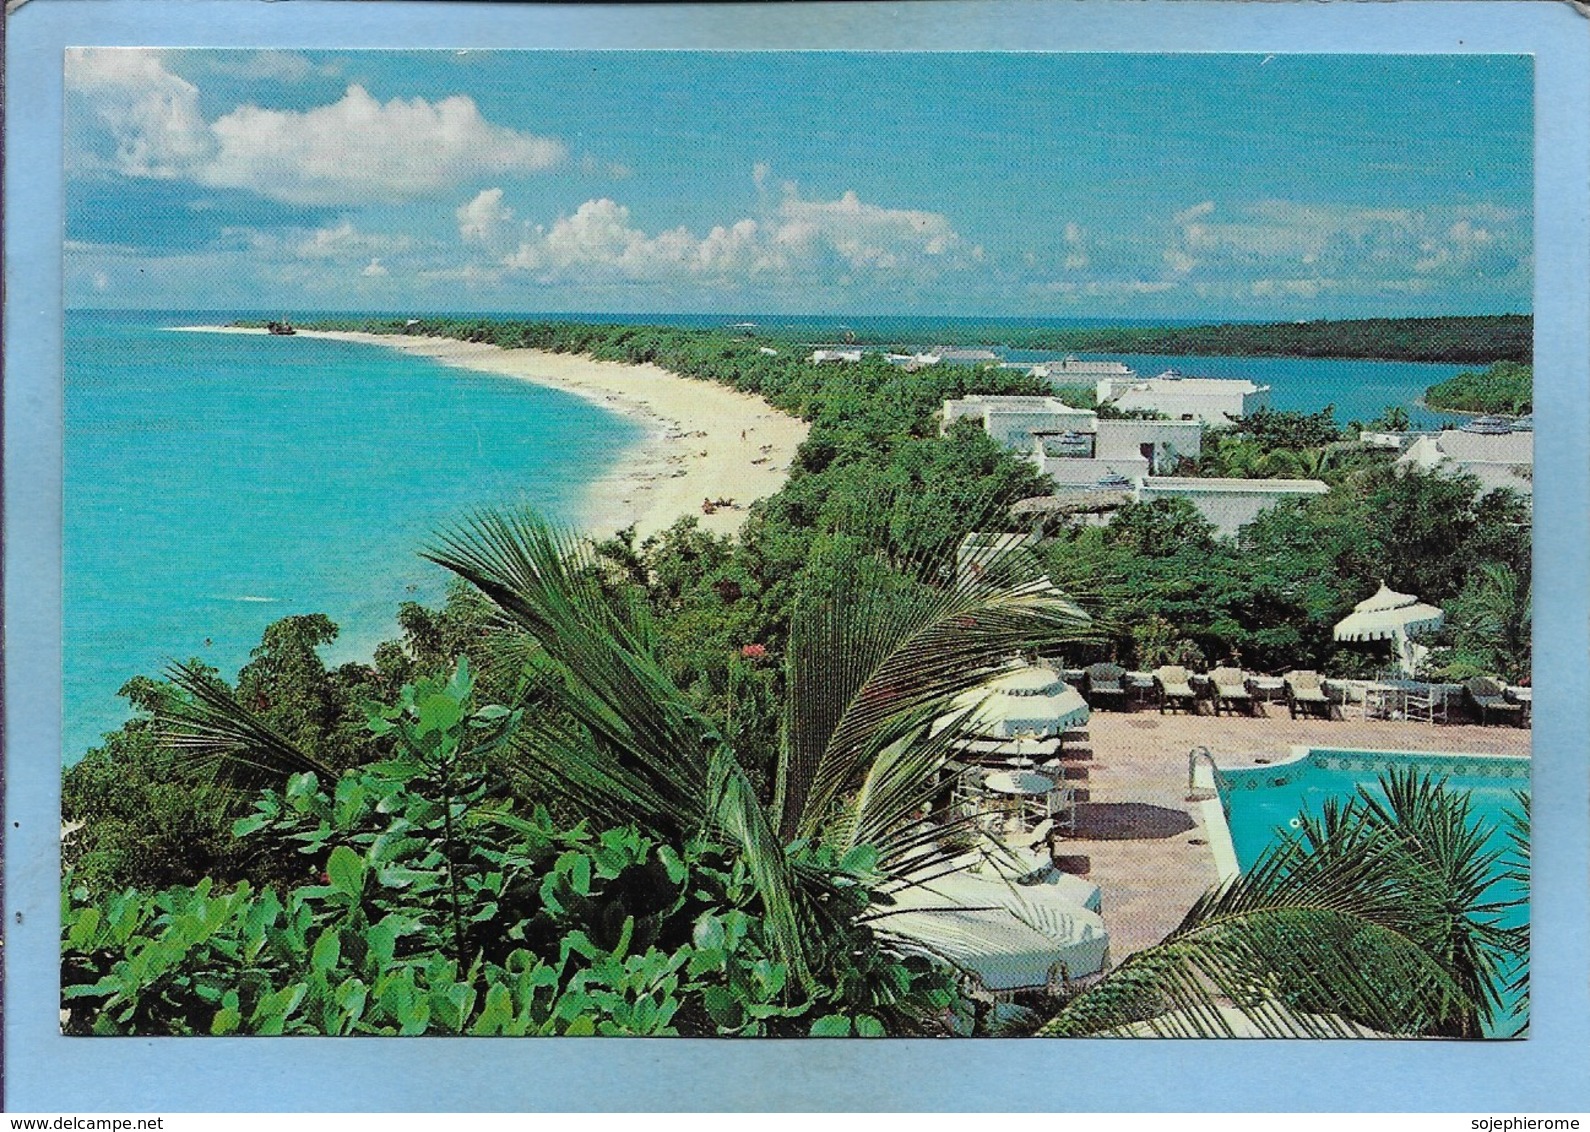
[1375, 919]
[1494, 620]
[871, 665]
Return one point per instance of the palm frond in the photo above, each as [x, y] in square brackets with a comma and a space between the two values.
[645, 739]
[218, 736]
[619, 740]
[867, 663]
[1445, 852]
[1306, 943]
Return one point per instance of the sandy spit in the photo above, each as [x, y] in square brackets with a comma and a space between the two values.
[704, 441]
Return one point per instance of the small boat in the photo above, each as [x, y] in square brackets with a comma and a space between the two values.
[281, 329]
[1489, 426]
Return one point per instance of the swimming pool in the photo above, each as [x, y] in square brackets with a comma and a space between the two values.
[1259, 807]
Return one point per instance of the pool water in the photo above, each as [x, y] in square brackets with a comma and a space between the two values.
[1263, 804]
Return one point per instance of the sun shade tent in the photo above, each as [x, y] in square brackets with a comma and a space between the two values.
[1027, 701]
[1391, 616]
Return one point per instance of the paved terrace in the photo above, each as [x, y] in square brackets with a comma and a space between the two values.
[1137, 836]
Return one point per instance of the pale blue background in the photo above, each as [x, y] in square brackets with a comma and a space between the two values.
[47, 1072]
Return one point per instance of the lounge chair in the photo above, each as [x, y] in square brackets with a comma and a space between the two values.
[1229, 686]
[1489, 698]
[1106, 683]
[1175, 689]
[1305, 692]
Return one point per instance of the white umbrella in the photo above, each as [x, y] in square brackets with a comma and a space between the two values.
[1391, 616]
[1026, 702]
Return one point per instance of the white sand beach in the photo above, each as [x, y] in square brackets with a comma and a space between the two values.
[704, 440]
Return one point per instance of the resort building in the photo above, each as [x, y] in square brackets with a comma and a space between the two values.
[1072, 371]
[955, 357]
[819, 356]
[1394, 441]
[1014, 421]
[1228, 504]
[1496, 454]
[1213, 400]
[1074, 445]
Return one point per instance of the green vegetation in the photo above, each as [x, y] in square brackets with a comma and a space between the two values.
[1479, 338]
[665, 785]
[1506, 388]
[1457, 339]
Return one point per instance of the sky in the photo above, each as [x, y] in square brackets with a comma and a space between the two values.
[1032, 185]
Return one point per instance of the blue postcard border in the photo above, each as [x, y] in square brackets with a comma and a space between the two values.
[46, 1072]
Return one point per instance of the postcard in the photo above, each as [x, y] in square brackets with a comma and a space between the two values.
[748, 541]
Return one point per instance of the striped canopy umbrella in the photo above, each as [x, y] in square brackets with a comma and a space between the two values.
[1027, 701]
[1391, 616]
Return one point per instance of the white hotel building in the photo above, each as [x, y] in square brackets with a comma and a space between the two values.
[1083, 453]
[1214, 400]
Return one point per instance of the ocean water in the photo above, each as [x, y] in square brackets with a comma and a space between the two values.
[1357, 390]
[215, 483]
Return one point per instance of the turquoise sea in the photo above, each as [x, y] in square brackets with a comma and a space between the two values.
[216, 483]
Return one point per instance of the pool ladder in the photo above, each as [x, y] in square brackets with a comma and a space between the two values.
[1194, 793]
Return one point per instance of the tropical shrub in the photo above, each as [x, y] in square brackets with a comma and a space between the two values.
[440, 909]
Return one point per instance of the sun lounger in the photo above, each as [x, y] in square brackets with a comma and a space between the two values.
[1106, 683]
[1305, 692]
[1229, 687]
[1175, 688]
[1489, 698]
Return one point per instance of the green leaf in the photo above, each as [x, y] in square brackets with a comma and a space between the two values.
[439, 713]
[327, 951]
[708, 933]
[868, 1027]
[85, 929]
[346, 870]
[253, 823]
[831, 1026]
[724, 1009]
[496, 1014]
[227, 1020]
[581, 1027]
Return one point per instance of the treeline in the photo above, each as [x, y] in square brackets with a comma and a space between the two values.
[1478, 339]
[1506, 388]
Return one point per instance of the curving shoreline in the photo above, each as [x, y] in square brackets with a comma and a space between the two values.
[703, 441]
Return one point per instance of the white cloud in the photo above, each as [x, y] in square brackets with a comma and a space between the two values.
[374, 269]
[344, 241]
[1076, 239]
[151, 114]
[486, 221]
[274, 66]
[817, 241]
[354, 150]
[1285, 248]
[100, 280]
[362, 149]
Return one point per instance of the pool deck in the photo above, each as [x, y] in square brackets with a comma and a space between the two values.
[1138, 836]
